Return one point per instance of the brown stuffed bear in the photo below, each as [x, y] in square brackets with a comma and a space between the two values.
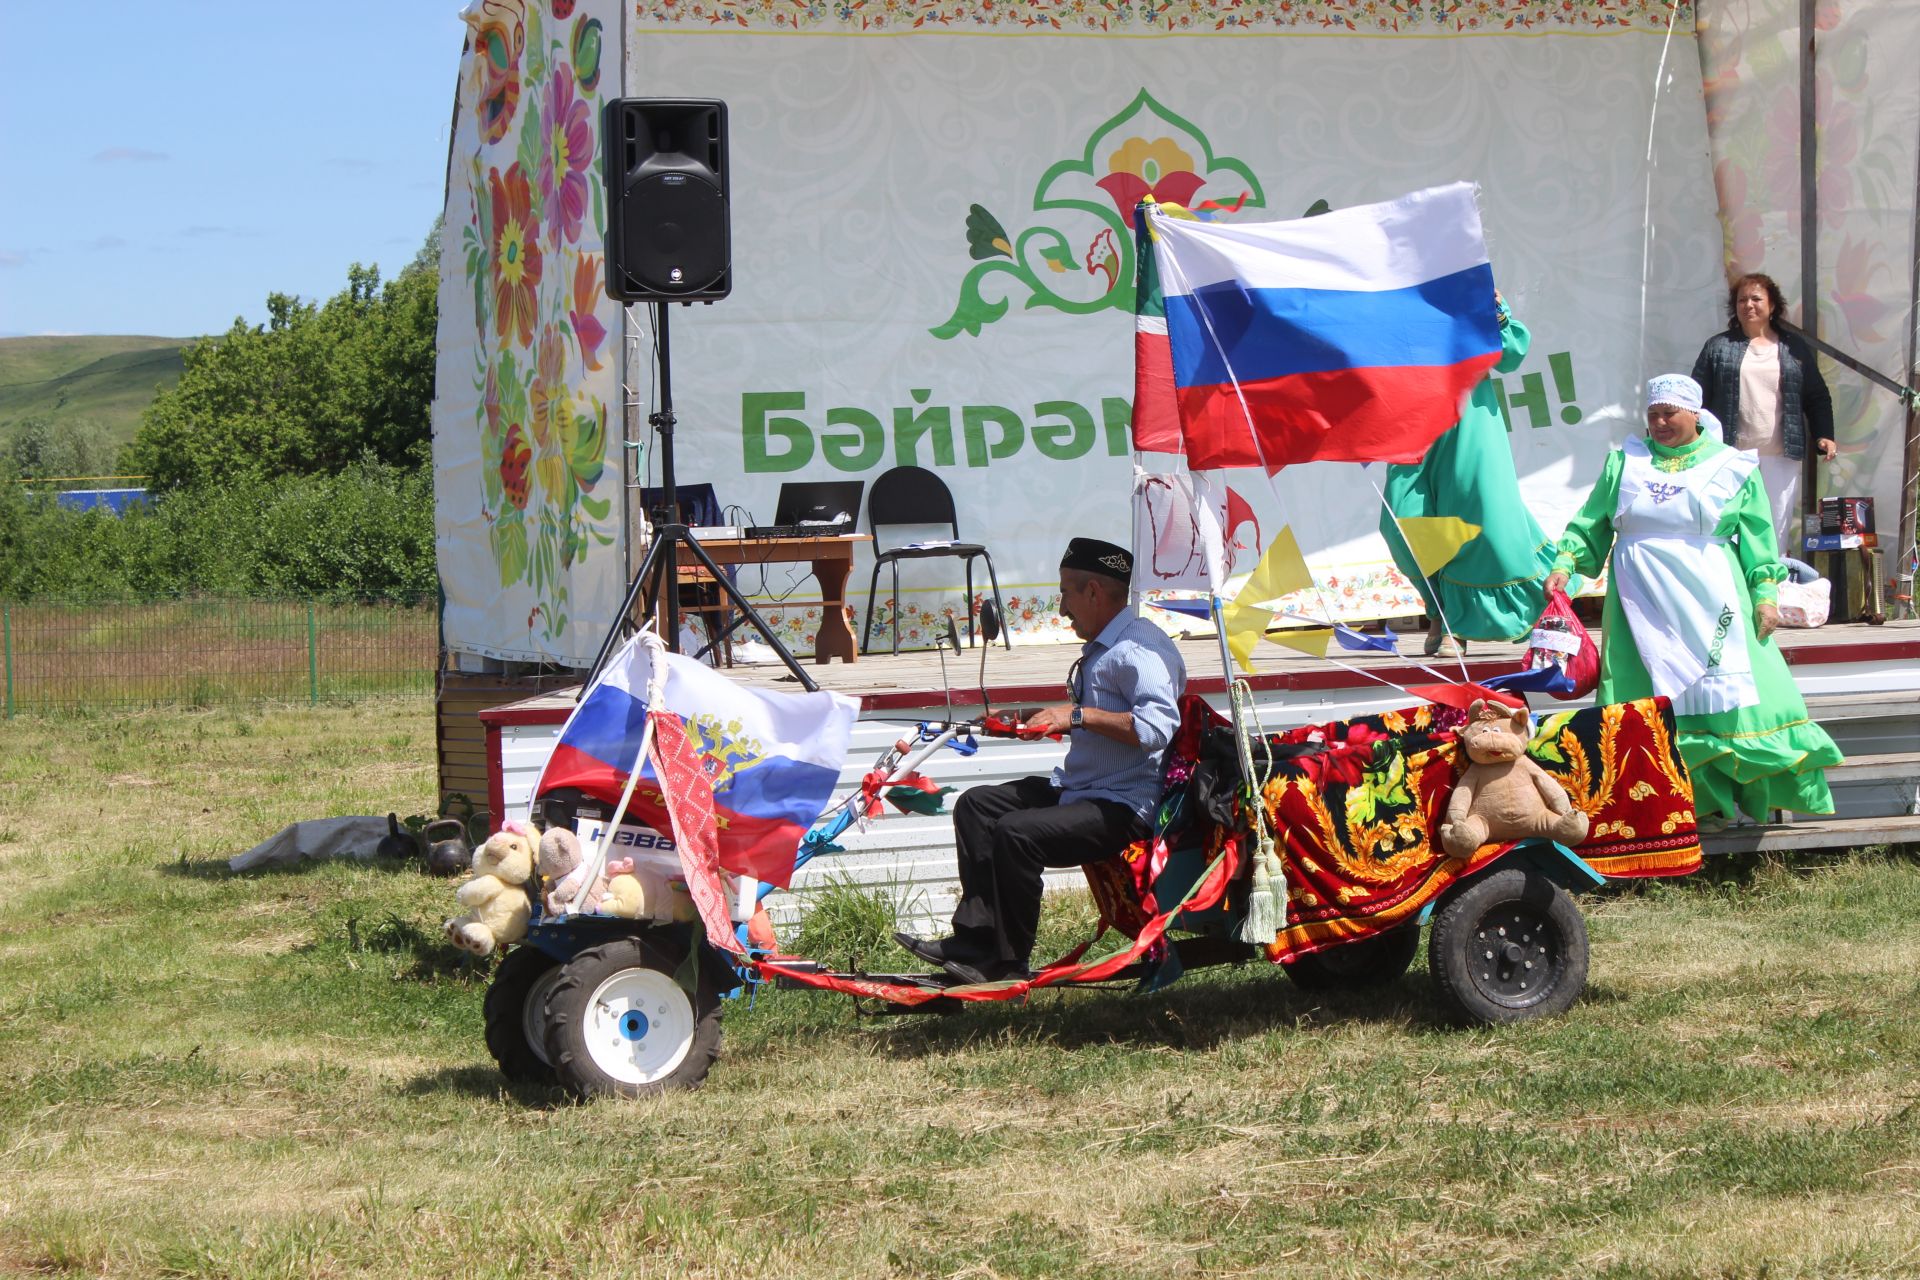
[1503, 795]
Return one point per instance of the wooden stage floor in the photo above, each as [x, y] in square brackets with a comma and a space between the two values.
[1036, 672]
[1861, 682]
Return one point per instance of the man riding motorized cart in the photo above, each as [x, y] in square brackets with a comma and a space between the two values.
[1124, 707]
[1323, 848]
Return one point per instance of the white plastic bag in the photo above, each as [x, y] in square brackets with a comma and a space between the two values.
[1804, 604]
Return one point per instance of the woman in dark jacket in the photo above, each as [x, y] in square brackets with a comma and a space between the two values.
[1766, 387]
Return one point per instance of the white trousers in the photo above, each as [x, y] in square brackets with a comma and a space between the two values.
[1781, 476]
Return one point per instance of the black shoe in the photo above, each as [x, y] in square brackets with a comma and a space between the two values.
[938, 951]
[973, 973]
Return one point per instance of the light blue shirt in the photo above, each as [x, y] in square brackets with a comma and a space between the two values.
[1130, 666]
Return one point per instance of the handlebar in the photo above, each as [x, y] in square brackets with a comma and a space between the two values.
[995, 726]
[900, 760]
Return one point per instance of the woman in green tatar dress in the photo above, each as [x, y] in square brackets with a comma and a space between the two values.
[1690, 613]
[1490, 590]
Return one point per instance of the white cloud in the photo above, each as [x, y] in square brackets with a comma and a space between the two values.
[8, 258]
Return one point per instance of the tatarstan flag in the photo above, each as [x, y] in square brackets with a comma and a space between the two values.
[1156, 413]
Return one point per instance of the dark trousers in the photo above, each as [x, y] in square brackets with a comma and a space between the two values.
[1006, 836]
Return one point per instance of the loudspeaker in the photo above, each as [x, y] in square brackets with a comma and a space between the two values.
[666, 176]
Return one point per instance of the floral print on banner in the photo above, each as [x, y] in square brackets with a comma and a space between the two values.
[923, 622]
[530, 249]
[923, 619]
[1143, 150]
[1338, 17]
[1864, 127]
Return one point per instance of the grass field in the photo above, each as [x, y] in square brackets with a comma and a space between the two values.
[112, 378]
[282, 1075]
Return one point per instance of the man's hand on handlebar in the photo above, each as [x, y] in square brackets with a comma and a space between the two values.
[1014, 723]
[1054, 719]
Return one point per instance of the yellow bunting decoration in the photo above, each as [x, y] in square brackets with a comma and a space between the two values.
[1282, 571]
[1313, 643]
[1245, 625]
[1434, 540]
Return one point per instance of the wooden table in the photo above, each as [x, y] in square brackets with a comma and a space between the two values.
[831, 559]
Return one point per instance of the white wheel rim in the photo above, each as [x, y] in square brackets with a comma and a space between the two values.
[639, 1026]
[533, 1013]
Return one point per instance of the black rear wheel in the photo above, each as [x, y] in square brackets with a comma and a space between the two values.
[515, 1011]
[1355, 966]
[1508, 946]
[619, 1023]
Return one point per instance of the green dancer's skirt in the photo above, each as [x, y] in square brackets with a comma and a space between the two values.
[1490, 590]
[1759, 758]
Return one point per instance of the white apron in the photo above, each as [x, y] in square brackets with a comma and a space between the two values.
[1677, 585]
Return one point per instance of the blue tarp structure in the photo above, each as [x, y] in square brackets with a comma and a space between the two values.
[114, 500]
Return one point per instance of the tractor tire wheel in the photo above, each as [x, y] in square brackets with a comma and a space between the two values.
[1508, 946]
[515, 1011]
[1357, 966]
[620, 1026]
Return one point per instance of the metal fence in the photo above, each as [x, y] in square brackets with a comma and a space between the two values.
[74, 655]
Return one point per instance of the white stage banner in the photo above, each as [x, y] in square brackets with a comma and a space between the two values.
[527, 395]
[933, 259]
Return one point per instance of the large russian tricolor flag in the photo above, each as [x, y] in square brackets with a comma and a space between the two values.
[1351, 336]
[772, 758]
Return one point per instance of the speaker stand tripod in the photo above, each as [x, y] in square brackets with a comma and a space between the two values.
[658, 575]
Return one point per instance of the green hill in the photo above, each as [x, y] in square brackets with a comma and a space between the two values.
[111, 378]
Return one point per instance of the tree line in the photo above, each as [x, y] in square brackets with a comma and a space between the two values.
[291, 457]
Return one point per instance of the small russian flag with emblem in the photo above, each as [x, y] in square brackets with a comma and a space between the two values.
[772, 758]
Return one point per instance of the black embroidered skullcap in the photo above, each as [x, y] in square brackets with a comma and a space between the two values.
[1090, 555]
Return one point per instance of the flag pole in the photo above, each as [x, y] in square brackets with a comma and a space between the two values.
[1266, 913]
[1226, 670]
[656, 678]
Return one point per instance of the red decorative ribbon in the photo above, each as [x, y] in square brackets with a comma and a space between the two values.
[689, 799]
[1206, 892]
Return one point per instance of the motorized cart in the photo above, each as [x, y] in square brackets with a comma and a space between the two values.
[1328, 844]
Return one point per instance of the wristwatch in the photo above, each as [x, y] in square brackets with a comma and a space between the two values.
[1076, 720]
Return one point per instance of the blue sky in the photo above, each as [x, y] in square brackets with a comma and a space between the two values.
[164, 166]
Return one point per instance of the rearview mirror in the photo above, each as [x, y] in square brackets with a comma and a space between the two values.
[989, 621]
[953, 634]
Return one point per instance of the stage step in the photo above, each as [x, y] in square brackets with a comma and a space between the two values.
[1796, 837]
[1886, 767]
[1880, 706]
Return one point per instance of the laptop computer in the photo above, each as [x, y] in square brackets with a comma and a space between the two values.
[820, 503]
[699, 506]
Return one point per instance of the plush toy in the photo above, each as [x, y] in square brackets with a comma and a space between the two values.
[760, 931]
[636, 898]
[495, 899]
[562, 869]
[1504, 795]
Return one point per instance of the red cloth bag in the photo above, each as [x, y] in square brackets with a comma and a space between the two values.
[1560, 640]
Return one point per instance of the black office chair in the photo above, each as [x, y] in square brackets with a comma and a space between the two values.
[916, 496]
